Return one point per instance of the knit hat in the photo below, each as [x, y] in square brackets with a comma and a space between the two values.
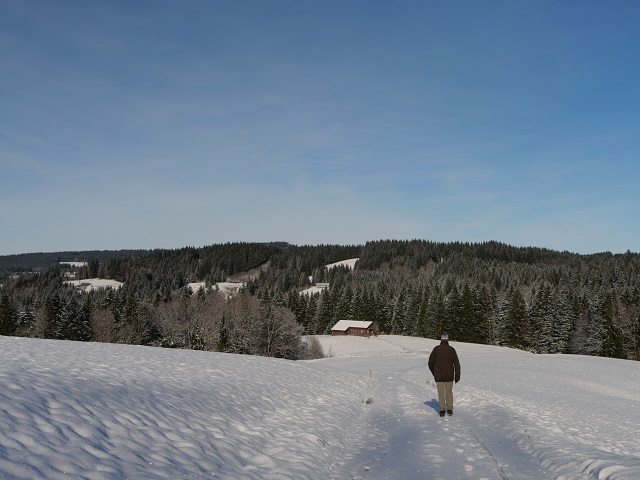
[444, 336]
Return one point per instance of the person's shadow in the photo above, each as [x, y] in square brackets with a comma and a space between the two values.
[433, 404]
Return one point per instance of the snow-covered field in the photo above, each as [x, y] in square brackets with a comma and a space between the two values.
[95, 283]
[74, 264]
[312, 290]
[228, 288]
[100, 411]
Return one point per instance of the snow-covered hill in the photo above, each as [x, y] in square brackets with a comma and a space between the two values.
[100, 411]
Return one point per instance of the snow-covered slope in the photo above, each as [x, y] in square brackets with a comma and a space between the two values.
[349, 263]
[95, 283]
[99, 411]
[227, 288]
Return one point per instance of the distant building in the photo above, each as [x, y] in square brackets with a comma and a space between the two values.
[355, 327]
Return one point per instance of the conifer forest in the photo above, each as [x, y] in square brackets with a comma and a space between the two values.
[533, 299]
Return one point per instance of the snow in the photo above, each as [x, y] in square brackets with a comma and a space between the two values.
[95, 283]
[369, 411]
[228, 288]
[195, 286]
[312, 290]
[350, 263]
[74, 264]
[344, 325]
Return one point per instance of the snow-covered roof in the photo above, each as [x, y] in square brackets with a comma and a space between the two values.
[344, 325]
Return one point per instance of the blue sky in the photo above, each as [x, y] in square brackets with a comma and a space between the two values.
[162, 124]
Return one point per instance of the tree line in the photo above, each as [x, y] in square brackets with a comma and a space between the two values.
[492, 293]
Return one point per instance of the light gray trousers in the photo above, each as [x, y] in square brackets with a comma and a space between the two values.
[445, 395]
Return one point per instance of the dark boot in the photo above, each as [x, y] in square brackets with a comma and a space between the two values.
[442, 413]
[449, 412]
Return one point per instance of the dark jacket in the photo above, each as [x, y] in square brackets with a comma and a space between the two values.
[444, 363]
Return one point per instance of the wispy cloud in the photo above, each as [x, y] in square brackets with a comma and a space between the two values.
[242, 122]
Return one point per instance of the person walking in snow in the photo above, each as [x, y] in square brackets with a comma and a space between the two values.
[445, 367]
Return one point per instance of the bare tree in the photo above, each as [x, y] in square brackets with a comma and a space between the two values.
[208, 321]
[103, 326]
[242, 317]
[311, 348]
[173, 320]
[280, 333]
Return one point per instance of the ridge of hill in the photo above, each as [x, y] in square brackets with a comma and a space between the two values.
[397, 249]
[530, 298]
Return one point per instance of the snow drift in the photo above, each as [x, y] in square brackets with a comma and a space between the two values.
[101, 411]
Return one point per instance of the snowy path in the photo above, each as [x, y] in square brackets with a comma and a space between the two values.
[404, 437]
[518, 416]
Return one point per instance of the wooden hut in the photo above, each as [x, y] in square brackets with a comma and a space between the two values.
[354, 327]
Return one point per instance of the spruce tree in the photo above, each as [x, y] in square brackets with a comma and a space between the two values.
[223, 336]
[613, 338]
[8, 316]
[54, 315]
[324, 313]
[517, 324]
[436, 315]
